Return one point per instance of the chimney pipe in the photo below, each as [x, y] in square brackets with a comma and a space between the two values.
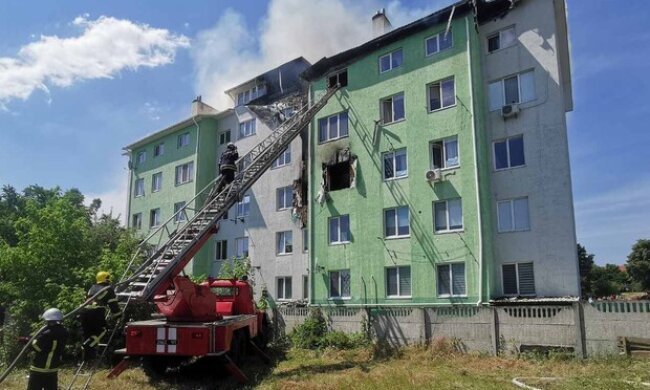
[380, 23]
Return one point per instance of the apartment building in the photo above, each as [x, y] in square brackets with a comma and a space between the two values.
[173, 165]
[439, 173]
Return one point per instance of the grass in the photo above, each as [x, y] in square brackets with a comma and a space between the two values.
[410, 368]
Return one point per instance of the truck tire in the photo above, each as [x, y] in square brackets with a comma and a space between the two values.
[264, 337]
[156, 366]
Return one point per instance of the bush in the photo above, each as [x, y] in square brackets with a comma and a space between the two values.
[313, 334]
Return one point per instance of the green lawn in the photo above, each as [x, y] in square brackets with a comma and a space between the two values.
[411, 368]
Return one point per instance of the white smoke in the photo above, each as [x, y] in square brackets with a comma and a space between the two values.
[232, 52]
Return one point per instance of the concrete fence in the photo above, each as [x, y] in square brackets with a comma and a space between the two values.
[584, 328]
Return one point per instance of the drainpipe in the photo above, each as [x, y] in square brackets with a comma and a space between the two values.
[310, 231]
[476, 157]
[128, 194]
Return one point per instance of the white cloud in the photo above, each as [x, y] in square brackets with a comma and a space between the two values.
[114, 198]
[105, 47]
[232, 51]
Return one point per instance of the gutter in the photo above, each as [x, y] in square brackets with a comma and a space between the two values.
[476, 160]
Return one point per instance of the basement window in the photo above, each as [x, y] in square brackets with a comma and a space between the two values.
[338, 78]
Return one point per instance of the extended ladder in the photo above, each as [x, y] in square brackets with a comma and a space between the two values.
[155, 274]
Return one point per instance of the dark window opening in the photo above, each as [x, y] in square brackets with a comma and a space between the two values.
[339, 176]
[338, 78]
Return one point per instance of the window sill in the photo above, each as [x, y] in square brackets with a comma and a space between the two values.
[284, 254]
[245, 136]
[153, 192]
[280, 166]
[393, 122]
[430, 55]
[381, 72]
[339, 298]
[502, 48]
[514, 231]
[509, 168]
[332, 140]
[338, 243]
[399, 297]
[442, 108]
[443, 232]
[183, 183]
[283, 209]
[452, 296]
[397, 237]
[139, 196]
[386, 180]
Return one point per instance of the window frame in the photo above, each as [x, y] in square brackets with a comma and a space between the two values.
[447, 214]
[284, 288]
[444, 152]
[329, 228]
[136, 193]
[451, 279]
[153, 182]
[223, 245]
[511, 202]
[397, 235]
[242, 211]
[305, 240]
[517, 280]
[390, 58]
[398, 296]
[284, 251]
[498, 34]
[253, 128]
[190, 174]
[392, 107]
[383, 164]
[223, 135]
[151, 220]
[180, 142]
[178, 218]
[501, 82]
[283, 206]
[140, 158]
[338, 127]
[159, 148]
[136, 217]
[305, 287]
[438, 37]
[242, 240]
[340, 285]
[442, 106]
[507, 142]
[286, 156]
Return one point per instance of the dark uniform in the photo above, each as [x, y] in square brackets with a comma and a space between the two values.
[227, 166]
[93, 317]
[49, 346]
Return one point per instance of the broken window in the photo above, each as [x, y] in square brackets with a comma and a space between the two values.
[338, 78]
[338, 176]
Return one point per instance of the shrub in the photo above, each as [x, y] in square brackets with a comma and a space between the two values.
[313, 334]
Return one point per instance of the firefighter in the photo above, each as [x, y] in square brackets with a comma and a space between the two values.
[49, 346]
[227, 166]
[93, 317]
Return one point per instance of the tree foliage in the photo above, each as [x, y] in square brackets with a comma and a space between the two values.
[597, 281]
[638, 263]
[51, 246]
[585, 263]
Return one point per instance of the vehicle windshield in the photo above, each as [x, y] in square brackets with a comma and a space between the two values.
[224, 291]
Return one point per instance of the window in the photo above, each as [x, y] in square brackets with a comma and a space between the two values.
[333, 127]
[305, 240]
[339, 229]
[247, 128]
[183, 140]
[284, 240]
[396, 222]
[519, 88]
[518, 279]
[451, 280]
[141, 158]
[284, 198]
[398, 282]
[442, 94]
[284, 288]
[137, 221]
[244, 206]
[448, 215]
[154, 217]
[221, 250]
[184, 173]
[337, 176]
[224, 137]
[509, 153]
[305, 287]
[395, 164]
[139, 187]
[245, 161]
[513, 215]
[159, 149]
[390, 61]
[338, 78]
[438, 42]
[241, 247]
[340, 284]
[284, 159]
[182, 216]
[156, 182]
[250, 94]
[444, 153]
[392, 109]
[501, 39]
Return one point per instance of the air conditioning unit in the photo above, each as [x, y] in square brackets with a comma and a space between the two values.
[510, 110]
[433, 175]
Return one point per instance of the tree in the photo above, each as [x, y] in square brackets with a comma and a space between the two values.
[585, 263]
[638, 263]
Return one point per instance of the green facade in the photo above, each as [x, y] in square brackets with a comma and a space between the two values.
[201, 150]
[369, 254]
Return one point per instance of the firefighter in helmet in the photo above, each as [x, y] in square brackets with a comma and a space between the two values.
[93, 317]
[48, 347]
[227, 166]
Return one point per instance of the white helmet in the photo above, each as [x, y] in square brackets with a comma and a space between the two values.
[53, 314]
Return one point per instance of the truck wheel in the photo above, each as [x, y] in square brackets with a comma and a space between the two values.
[155, 366]
[264, 337]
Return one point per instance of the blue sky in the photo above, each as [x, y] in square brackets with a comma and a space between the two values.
[81, 97]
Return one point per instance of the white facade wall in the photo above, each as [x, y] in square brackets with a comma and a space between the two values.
[546, 178]
[265, 221]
